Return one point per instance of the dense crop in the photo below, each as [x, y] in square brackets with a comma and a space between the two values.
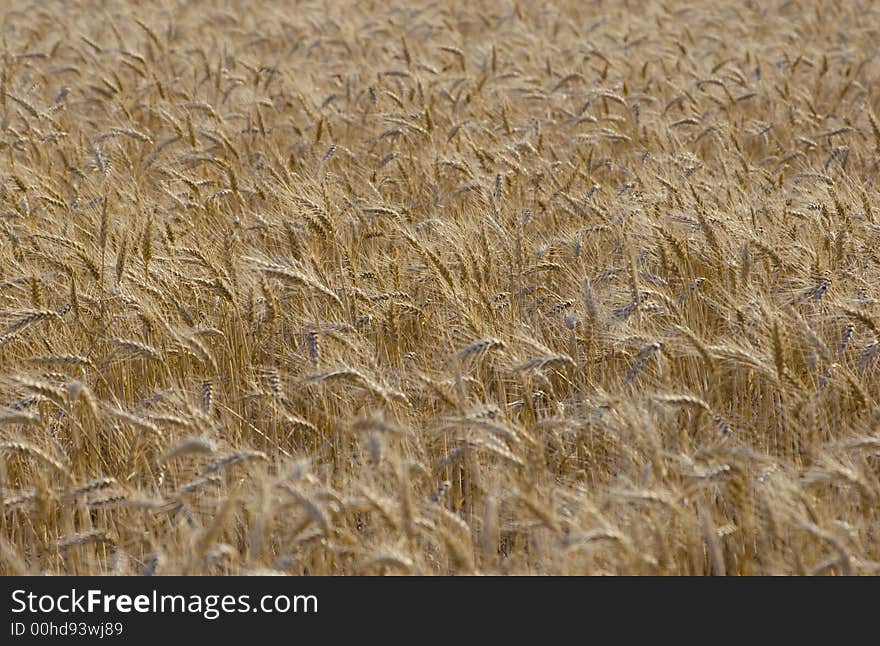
[452, 287]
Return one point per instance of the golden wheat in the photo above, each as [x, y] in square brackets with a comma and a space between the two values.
[432, 288]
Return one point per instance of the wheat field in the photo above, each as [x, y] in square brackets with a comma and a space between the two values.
[439, 287]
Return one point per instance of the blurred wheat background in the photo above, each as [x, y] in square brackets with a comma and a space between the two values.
[443, 288]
